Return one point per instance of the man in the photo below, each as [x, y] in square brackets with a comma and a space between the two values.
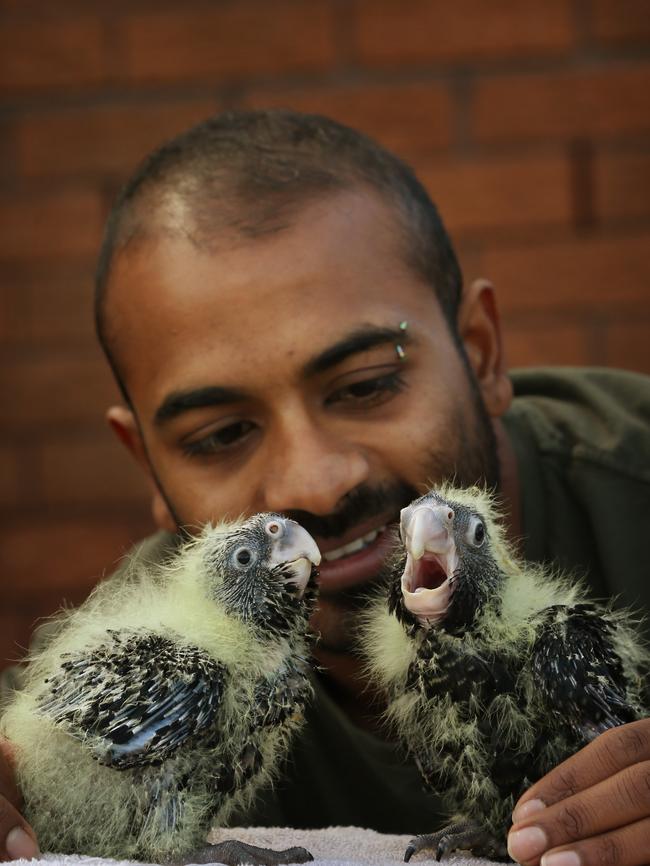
[284, 313]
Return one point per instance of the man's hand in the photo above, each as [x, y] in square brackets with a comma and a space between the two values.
[17, 839]
[594, 808]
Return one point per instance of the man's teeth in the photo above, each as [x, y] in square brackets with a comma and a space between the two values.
[353, 546]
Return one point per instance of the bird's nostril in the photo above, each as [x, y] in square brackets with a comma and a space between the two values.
[450, 515]
[273, 527]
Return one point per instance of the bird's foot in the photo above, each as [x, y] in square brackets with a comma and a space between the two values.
[465, 836]
[234, 853]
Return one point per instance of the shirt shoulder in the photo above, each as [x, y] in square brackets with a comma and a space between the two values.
[582, 443]
[593, 415]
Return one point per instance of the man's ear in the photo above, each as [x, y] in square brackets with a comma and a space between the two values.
[123, 423]
[480, 331]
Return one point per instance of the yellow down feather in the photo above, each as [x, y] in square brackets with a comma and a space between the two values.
[77, 805]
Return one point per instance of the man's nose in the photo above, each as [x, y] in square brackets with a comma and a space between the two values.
[311, 469]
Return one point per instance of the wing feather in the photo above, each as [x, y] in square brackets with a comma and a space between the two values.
[579, 672]
[136, 698]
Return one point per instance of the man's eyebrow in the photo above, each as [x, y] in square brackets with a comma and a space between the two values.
[359, 340]
[183, 401]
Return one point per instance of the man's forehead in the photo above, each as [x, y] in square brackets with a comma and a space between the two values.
[339, 267]
[348, 235]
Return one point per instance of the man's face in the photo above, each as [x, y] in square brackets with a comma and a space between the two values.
[265, 376]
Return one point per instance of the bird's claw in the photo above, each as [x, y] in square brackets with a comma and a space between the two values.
[419, 843]
[457, 836]
[231, 852]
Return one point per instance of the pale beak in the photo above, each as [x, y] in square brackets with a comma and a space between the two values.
[293, 547]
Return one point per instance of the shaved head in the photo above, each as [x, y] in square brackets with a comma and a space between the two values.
[245, 175]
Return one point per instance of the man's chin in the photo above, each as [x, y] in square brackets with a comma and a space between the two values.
[336, 620]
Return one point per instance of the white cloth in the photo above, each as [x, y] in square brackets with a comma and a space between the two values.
[334, 846]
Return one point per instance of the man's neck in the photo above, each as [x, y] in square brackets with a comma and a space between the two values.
[336, 619]
[345, 683]
[509, 477]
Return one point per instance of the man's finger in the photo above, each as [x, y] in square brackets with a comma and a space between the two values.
[627, 846]
[8, 787]
[17, 839]
[607, 755]
[620, 801]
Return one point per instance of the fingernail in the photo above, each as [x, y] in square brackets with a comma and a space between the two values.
[532, 807]
[562, 858]
[527, 843]
[20, 845]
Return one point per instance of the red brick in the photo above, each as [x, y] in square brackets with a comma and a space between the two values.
[627, 344]
[618, 22]
[8, 151]
[53, 225]
[469, 257]
[11, 488]
[499, 192]
[607, 101]
[45, 54]
[545, 341]
[46, 305]
[55, 391]
[622, 185]
[407, 118]
[100, 139]
[63, 557]
[395, 32]
[240, 38]
[76, 470]
[597, 274]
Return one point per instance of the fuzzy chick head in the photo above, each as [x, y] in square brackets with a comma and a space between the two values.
[263, 570]
[450, 570]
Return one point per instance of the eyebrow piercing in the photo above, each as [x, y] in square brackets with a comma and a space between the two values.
[401, 354]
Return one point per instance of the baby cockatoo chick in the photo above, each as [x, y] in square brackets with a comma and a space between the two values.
[169, 698]
[494, 670]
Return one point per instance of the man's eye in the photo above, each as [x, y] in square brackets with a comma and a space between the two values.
[219, 440]
[368, 392]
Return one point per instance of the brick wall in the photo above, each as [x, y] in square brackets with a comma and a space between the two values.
[529, 121]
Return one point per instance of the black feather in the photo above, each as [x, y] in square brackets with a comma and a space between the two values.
[525, 694]
[138, 697]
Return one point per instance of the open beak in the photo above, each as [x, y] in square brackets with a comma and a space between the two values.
[431, 560]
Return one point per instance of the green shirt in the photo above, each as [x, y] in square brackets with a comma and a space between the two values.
[582, 442]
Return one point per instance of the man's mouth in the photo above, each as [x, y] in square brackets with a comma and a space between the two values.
[357, 561]
[354, 546]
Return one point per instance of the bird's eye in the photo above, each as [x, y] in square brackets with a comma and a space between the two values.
[274, 528]
[476, 532]
[243, 557]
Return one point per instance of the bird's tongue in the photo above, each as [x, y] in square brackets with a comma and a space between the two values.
[428, 573]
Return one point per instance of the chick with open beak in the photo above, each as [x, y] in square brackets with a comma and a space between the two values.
[426, 529]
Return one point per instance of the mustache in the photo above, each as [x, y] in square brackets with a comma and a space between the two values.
[360, 504]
